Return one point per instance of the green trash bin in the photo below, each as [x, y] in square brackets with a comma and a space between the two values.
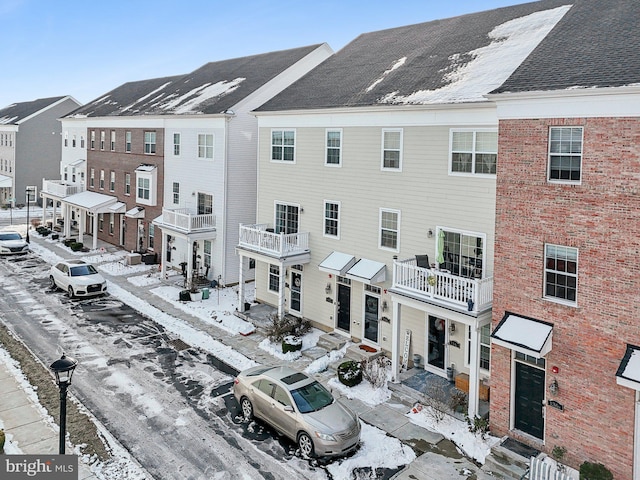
[205, 293]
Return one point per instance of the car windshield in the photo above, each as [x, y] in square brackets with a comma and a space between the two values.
[10, 236]
[311, 398]
[83, 270]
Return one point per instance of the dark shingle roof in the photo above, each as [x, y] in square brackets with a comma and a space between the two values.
[211, 89]
[596, 44]
[432, 51]
[16, 112]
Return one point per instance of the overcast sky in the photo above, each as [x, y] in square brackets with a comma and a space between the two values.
[86, 48]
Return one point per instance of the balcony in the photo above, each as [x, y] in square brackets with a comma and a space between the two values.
[442, 288]
[60, 189]
[263, 240]
[187, 221]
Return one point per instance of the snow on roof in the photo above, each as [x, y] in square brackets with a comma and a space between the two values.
[200, 94]
[396, 65]
[337, 262]
[491, 65]
[8, 120]
[523, 334]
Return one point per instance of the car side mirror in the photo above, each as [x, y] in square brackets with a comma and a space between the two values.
[288, 408]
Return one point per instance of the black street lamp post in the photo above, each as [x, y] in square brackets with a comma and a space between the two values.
[63, 369]
[27, 193]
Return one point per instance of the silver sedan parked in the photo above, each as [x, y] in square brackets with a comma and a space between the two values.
[298, 407]
[78, 278]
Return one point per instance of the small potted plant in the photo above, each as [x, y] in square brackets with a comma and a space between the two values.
[350, 373]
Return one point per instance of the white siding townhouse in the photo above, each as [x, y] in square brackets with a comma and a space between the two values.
[376, 190]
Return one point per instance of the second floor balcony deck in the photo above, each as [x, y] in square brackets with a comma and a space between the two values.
[474, 295]
[262, 239]
[188, 221]
[61, 189]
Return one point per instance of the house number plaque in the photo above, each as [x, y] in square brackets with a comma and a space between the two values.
[554, 404]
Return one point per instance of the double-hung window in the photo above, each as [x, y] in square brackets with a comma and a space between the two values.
[205, 145]
[144, 188]
[331, 219]
[389, 228]
[485, 347]
[176, 144]
[92, 177]
[176, 193]
[101, 179]
[274, 278]
[392, 149]
[111, 223]
[127, 184]
[561, 273]
[112, 181]
[150, 143]
[127, 142]
[283, 145]
[334, 148]
[102, 139]
[93, 140]
[565, 154]
[205, 203]
[474, 151]
[113, 141]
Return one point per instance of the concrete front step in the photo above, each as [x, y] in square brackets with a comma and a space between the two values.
[354, 352]
[506, 463]
[332, 341]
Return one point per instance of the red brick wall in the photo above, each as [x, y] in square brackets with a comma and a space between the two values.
[122, 162]
[601, 217]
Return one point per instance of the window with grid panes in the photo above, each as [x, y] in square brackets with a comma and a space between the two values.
[391, 149]
[283, 145]
[332, 219]
[334, 147]
[176, 193]
[127, 184]
[274, 278]
[127, 142]
[561, 273]
[474, 151]
[205, 145]
[176, 144]
[565, 154]
[286, 220]
[389, 228]
[150, 143]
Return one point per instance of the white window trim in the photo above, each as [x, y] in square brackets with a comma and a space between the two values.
[324, 218]
[174, 144]
[382, 149]
[552, 299]
[560, 181]
[388, 210]
[213, 146]
[145, 143]
[269, 277]
[468, 233]
[295, 140]
[326, 148]
[473, 157]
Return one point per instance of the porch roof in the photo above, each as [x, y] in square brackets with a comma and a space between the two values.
[135, 212]
[628, 374]
[91, 201]
[523, 334]
[117, 207]
[337, 263]
[367, 271]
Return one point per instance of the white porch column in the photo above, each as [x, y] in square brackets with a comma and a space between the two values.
[240, 285]
[67, 220]
[474, 378]
[281, 292]
[54, 212]
[94, 229]
[190, 247]
[81, 224]
[395, 342]
[163, 255]
[44, 209]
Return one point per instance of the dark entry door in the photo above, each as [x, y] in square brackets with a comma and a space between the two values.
[528, 399]
[344, 307]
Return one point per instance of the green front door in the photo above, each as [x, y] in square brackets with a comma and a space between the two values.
[529, 397]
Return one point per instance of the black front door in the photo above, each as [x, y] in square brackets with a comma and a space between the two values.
[344, 307]
[529, 396]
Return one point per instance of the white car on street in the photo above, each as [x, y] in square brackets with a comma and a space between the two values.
[12, 243]
[78, 278]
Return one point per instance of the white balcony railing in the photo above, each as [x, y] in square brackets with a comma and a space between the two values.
[186, 220]
[260, 238]
[60, 189]
[443, 287]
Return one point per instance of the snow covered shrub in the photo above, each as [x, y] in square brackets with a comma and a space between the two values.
[350, 373]
[291, 343]
[375, 371]
[279, 328]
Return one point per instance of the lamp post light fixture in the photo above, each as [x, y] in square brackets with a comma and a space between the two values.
[27, 193]
[63, 370]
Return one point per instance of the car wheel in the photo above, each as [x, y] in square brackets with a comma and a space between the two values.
[52, 283]
[247, 408]
[306, 445]
[71, 294]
